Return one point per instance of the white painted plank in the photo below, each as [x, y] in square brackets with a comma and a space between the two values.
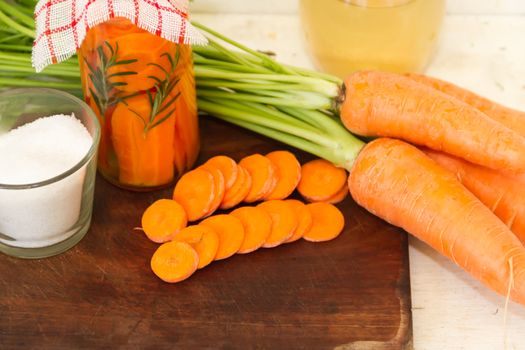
[277, 33]
[451, 310]
[485, 54]
[509, 7]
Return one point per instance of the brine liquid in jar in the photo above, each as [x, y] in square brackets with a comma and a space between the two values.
[392, 35]
[142, 89]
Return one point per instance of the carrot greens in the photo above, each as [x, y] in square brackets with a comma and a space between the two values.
[234, 83]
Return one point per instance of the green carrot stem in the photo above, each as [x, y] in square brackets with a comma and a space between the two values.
[51, 70]
[267, 121]
[283, 137]
[11, 74]
[22, 48]
[227, 53]
[253, 85]
[11, 37]
[212, 53]
[39, 83]
[15, 25]
[6, 29]
[27, 9]
[17, 57]
[28, 4]
[222, 113]
[289, 100]
[265, 60]
[316, 74]
[342, 152]
[15, 12]
[296, 70]
[268, 112]
[299, 114]
[260, 58]
[286, 91]
[314, 84]
[328, 122]
[228, 66]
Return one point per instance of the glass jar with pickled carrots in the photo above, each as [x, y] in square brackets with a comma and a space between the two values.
[392, 35]
[142, 89]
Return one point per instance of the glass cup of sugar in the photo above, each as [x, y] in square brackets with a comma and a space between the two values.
[48, 145]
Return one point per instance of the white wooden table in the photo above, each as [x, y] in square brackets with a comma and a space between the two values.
[485, 53]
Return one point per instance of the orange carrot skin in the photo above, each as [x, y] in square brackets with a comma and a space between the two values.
[509, 117]
[400, 184]
[391, 105]
[502, 194]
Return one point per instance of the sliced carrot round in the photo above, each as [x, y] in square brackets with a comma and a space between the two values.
[203, 239]
[336, 198]
[219, 189]
[163, 219]
[239, 190]
[195, 191]
[228, 168]
[304, 216]
[262, 172]
[288, 174]
[230, 231]
[320, 180]
[339, 196]
[327, 224]
[174, 261]
[257, 225]
[233, 191]
[284, 222]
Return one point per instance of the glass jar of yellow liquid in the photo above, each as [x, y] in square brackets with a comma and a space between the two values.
[391, 35]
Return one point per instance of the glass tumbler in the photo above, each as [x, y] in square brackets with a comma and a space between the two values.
[391, 35]
[46, 218]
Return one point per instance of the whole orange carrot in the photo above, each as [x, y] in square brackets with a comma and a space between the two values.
[503, 194]
[400, 184]
[394, 180]
[392, 105]
[509, 117]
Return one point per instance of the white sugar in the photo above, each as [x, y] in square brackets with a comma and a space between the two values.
[42, 149]
[34, 152]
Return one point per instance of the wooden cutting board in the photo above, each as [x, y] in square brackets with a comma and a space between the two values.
[349, 293]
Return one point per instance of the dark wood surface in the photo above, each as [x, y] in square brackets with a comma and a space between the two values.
[350, 293]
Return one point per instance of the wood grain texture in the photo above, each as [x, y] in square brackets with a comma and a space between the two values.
[350, 293]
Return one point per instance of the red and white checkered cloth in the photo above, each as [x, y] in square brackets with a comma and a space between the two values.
[61, 25]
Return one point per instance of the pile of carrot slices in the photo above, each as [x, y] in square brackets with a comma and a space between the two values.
[222, 183]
